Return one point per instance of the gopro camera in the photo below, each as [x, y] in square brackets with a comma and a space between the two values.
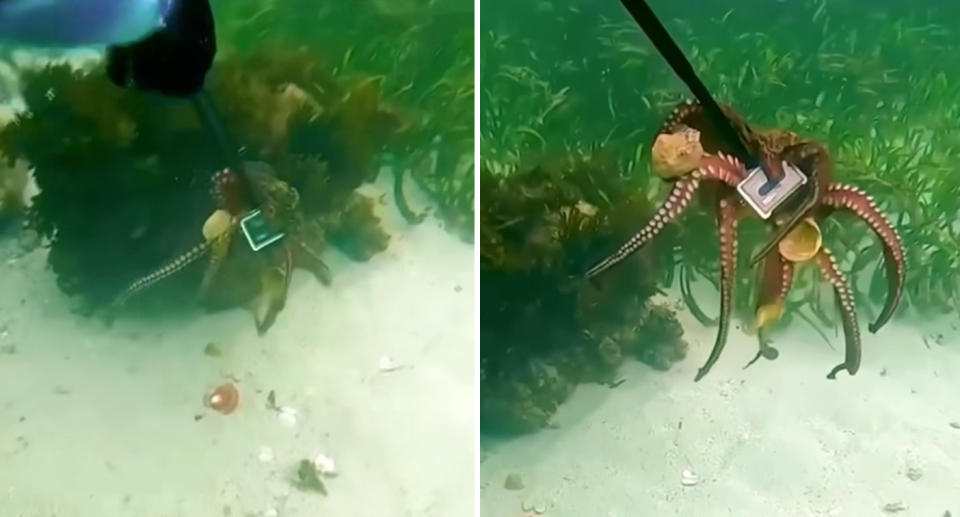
[764, 198]
[258, 231]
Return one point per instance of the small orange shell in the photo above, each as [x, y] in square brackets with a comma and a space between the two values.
[803, 242]
[223, 399]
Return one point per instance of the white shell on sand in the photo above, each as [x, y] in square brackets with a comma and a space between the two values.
[325, 465]
[287, 416]
[689, 478]
[387, 364]
[265, 455]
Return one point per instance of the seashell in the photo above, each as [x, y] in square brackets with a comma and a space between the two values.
[265, 455]
[387, 364]
[325, 465]
[803, 242]
[676, 154]
[216, 224]
[689, 478]
[287, 416]
[224, 398]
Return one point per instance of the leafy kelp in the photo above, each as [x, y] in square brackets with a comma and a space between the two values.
[423, 49]
[125, 178]
[543, 329]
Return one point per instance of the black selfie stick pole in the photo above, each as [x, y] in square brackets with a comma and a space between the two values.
[211, 120]
[231, 153]
[648, 21]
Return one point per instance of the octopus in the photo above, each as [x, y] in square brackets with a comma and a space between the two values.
[279, 202]
[689, 155]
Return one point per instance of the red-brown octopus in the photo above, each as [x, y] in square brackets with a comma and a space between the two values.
[279, 202]
[716, 165]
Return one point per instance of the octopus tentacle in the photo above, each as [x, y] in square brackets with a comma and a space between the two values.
[690, 113]
[687, 295]
[848, 315]
[274, 286]
[679, 116]
[169, 269]
[677, 201]
[856, 200]
[219, 247]
[305, 255]
[226, 191]
[727, 207]
[720, 168]
[775, 282]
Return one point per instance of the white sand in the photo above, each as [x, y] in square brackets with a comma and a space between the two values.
[775, 440]
[101, 423]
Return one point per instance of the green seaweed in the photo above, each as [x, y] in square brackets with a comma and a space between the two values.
[543, 328]
[307, 478]
[423, 50]
[124, 178]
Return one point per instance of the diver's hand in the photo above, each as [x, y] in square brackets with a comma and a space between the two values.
[173, 60]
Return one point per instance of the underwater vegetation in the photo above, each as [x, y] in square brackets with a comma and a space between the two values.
[423, 49]
[872, 87]
[544, 329]
[134, 201]
[130, 187]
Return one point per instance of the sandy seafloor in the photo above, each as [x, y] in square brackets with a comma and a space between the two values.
[775, 440]
[97, 422]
